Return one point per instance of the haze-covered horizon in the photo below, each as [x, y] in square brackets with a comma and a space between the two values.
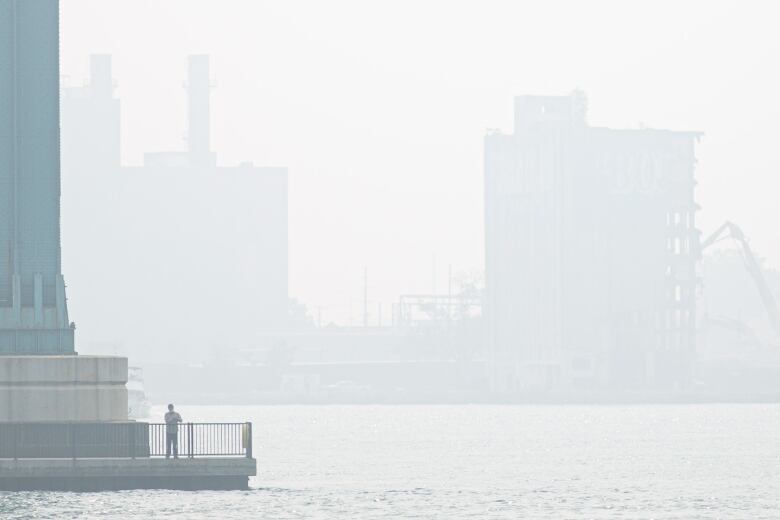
[412, 259]
[381, 110]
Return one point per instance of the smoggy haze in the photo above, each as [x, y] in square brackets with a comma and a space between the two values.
[379, 110]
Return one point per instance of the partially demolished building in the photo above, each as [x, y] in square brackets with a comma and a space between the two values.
[591, 248]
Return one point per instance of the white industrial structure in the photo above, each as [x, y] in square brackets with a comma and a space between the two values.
[591, 249]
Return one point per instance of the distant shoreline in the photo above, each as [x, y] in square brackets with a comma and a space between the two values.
[212, 399]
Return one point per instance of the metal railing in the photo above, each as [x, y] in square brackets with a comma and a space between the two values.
[78, 440]
[73, 440]
[203, 440]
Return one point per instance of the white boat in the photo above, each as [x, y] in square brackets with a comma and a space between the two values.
[138, 406]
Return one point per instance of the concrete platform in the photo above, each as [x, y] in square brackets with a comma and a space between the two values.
[115, 474]
[63, 388]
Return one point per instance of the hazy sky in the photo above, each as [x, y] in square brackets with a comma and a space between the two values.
[379, 109]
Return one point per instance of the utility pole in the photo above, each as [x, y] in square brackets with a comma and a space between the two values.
[433, 278]
[449, 292]
[365, 297]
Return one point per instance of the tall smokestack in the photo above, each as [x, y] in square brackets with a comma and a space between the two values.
[101, 81]
[199, 122]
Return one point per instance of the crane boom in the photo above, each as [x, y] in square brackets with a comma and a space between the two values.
[753, 268]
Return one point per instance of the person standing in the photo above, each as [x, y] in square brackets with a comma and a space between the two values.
[172, 420]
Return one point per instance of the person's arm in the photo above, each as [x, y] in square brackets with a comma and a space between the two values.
[178, 417]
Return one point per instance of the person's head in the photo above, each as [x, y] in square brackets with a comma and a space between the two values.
[170, 407]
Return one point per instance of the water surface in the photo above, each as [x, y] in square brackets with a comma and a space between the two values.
[642, 461]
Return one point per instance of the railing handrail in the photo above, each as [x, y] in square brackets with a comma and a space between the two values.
[198, 423]
[25, 440]
[205, 439]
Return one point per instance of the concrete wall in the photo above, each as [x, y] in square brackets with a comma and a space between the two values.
[112, 474]
[63, 388]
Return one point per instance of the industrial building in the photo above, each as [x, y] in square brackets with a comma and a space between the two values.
[591, 248]
[160, 224]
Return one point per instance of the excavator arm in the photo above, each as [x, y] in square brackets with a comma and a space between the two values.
[731, 230]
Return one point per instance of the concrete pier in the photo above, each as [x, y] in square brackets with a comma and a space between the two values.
[115, 474]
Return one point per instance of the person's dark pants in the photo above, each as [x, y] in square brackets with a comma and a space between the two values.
[171, 443]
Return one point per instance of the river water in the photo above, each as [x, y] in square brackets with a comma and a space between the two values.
[451, 462]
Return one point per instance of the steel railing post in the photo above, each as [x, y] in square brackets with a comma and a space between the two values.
[249, 441]
[190, 440]
[132, 441]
